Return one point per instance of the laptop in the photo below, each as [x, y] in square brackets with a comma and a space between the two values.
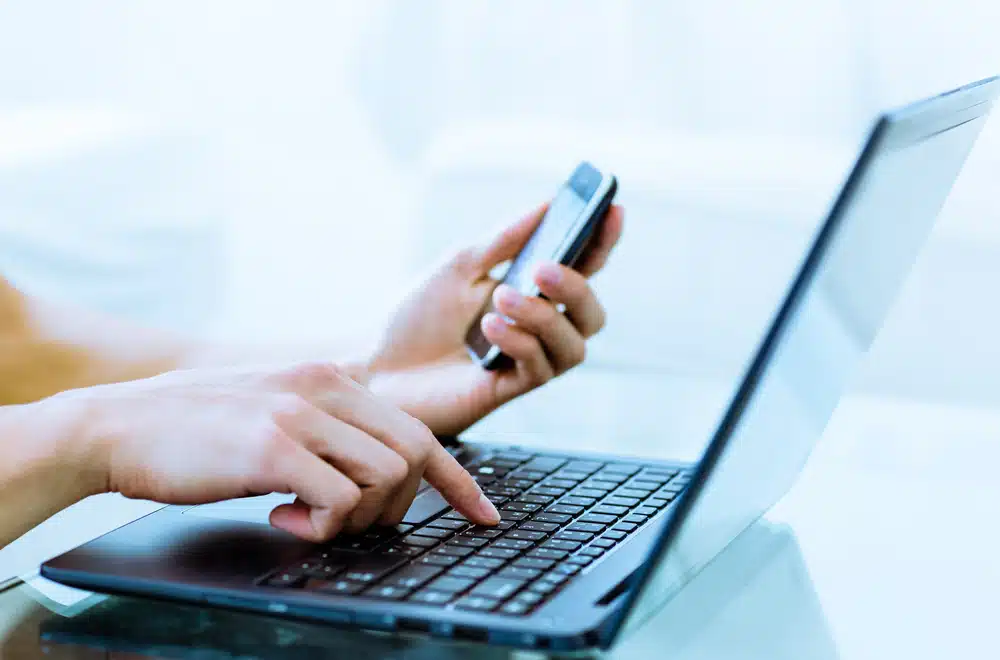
[590, 546]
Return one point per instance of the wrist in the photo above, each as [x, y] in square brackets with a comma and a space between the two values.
[73, 420]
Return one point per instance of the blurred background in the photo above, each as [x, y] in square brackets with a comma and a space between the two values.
[284, 171]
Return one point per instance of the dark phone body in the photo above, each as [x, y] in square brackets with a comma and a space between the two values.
[589, 193]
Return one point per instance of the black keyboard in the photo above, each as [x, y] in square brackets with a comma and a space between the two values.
[558, 516]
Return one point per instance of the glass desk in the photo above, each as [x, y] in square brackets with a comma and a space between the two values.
[757, 595]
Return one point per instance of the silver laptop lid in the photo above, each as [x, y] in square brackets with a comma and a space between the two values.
[837, 302]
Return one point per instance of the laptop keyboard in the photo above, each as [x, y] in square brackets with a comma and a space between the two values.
[558, 516]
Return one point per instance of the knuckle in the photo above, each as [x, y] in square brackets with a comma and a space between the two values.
[288, 409]
[395, 469]
[274, 448]
[349, 496]
[315, 374]
[465, 259]
[577, 353]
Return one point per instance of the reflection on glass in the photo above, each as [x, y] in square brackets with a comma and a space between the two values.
[858, 265]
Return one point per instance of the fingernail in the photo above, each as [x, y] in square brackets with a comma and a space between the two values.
[495, 323]
[508, 297]
[488, 511]
[549, 274]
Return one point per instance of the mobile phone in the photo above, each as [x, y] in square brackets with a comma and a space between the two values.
[562, 236]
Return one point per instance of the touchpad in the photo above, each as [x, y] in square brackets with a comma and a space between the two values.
[244, 509]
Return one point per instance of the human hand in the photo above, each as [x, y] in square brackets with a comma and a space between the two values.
[191, 437]
[422, 365]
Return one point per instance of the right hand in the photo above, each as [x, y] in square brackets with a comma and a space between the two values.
[192, 437]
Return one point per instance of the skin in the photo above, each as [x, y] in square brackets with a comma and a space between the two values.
[91, 405]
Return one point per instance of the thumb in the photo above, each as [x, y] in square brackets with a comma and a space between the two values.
[511, 240]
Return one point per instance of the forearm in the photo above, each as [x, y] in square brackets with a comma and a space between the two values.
[47, 465]
[47, 348]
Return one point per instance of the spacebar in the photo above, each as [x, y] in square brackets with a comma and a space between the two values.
[429, 503]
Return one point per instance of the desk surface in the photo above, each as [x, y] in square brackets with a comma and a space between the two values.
[884, 548]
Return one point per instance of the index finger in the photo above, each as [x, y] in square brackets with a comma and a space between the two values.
[458, 487]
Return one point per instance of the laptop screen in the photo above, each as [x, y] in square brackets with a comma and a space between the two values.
[829, 318]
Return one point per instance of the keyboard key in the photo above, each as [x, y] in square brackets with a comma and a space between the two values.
[659, 476]
[287, 579]
[534, 526]
[431, 597]
[502, 490]
[563, 484]
[546, 553]
[583, 466]
[521, 534]
[427, 505]
[599, 484]
[327, 572]
[515, 572]
[495, 470]
[567, 569]
[453, 551]
[546, 490]
[560, 544]
[622, 468]
[454, 515]
[634, 518]
[372, 567]
[554, 578]
[468, 542]
[520, 484]
[343, 587]
[577, 501]
[497, 500]
[573, 536]
[512, 515]
[536, 499]
[643, 485]
[657, 503]
[592, 551]
[621, 501]
[528, 507]
[631, 492]
[484, 479]
[498, 553]
[513, 544]
[477, 603]
[402, 550]
[592, 528]
[482, 533]
[534, 563]
[543, 588]
[529, 598]
[528, 475]
[544, 464]
[483, 562]
[580, 560]
[450, 585]
[610, 477]
[440, 560]
[552, 517]
[597, 518]
[421, 541]
[412, 576]
[514, 456]
[515, 608]
[628, 528]
[449, 523]
[353, 542]
[433, 532]
[499, 462]
[570, 475]
[470, 572]
[567, 508]
[609, 510]
[497, 587]
[587, 492]
[645, 511]
[504, 524]
[668, 495]
[387, 592]
[614, 536]
[601, 543]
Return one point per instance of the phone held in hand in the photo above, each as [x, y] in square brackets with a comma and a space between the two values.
[562, 236]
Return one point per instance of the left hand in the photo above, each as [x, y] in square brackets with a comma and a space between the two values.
[422, 365]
